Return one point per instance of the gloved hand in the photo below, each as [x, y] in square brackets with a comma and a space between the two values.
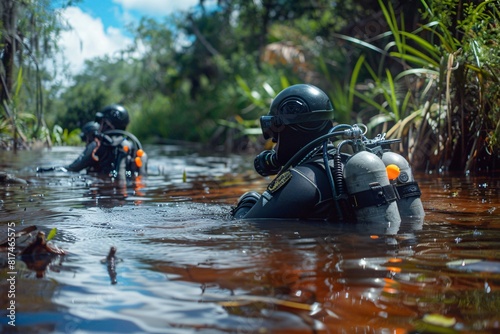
[245, 203]
[50, 169]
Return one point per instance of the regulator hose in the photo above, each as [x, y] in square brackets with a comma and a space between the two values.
[338, 174]
[306, 149]
[331, 180]
[125, 133]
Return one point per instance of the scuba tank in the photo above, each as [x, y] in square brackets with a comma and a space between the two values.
[407, 189]
[370, 193]
[130, 156]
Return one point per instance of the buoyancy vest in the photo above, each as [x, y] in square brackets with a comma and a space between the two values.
[120, 155]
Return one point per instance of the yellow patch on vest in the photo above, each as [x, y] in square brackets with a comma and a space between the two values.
[279, 182]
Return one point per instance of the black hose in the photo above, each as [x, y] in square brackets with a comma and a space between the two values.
[124, 133]
[331, 180]
[302, 152]
[338, 174]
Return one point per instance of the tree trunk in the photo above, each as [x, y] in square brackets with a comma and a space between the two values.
[8, 14]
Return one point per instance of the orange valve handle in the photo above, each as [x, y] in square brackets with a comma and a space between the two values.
[392, 171]
[140, 153]
[138, 162]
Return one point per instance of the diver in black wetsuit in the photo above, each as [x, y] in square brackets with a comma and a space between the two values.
[355, 187]
[298, 115]
[110, 150]
[89, 135]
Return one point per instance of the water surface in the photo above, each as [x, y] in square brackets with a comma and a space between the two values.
[185, 267]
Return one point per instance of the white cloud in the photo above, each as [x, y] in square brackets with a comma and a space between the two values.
[157, 7]
[88, 39]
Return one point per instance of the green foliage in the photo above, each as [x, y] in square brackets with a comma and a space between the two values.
[60, 136]
[441, 91]
[207, 75]
[29, 37]
[259, 99]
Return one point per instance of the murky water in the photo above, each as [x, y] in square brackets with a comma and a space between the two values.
[184, 267]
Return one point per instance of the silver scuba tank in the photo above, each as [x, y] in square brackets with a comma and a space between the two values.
[371, 195]
[409, 202]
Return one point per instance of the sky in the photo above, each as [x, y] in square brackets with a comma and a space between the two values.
[99, 26]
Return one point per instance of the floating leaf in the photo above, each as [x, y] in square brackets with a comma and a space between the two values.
[245, 300]
[52, 234]
[439, 320]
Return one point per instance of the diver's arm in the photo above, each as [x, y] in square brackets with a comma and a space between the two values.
[295, 198]
[85, 159]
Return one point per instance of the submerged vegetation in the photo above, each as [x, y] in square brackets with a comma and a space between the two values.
[424, 71]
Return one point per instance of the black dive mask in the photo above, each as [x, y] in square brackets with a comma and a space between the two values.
[272, 125]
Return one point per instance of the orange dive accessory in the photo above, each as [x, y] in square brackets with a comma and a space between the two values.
[392, 171]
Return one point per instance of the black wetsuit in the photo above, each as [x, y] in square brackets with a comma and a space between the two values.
[303, 192]
[106, 156]
[88, 159]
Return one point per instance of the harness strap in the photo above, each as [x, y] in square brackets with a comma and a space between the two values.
[377, 195]
[410, 189]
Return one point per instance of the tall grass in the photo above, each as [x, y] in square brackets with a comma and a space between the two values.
[445, 102]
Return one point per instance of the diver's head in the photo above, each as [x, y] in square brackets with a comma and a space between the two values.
[113, 117]
[89, 131]
[298, 115]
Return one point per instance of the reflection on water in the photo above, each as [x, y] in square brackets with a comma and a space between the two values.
[183, 266]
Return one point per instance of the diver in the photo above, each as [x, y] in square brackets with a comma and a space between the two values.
[89, 135]
[317, 180]
[110, 150]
